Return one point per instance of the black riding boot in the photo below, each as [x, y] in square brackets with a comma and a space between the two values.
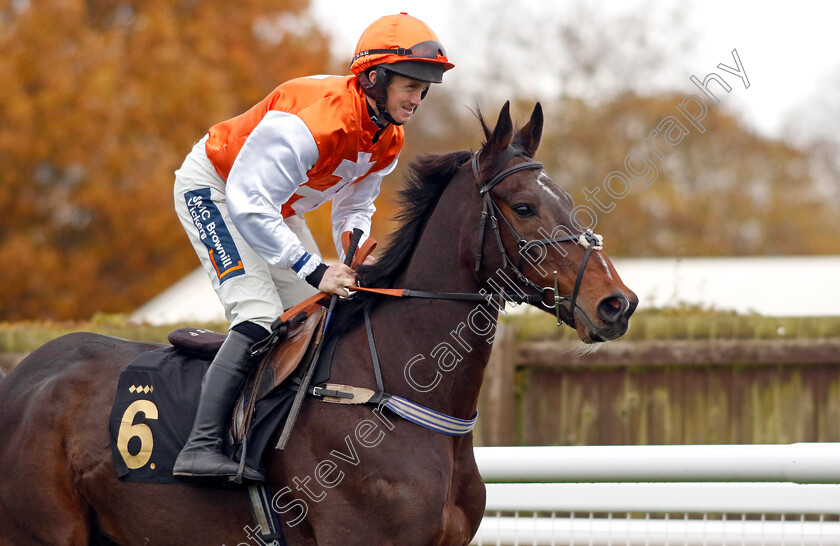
[201, 459]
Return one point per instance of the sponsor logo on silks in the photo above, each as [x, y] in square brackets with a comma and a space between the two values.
[214, 234]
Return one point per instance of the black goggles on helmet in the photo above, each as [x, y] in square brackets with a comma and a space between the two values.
[429, 49]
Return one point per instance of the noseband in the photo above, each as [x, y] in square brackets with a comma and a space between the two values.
[588, 240]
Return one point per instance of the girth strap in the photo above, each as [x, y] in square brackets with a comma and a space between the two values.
[429, 418]
[408, 410]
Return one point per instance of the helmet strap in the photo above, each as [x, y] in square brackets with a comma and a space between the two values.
[389, 119]
[381, 124]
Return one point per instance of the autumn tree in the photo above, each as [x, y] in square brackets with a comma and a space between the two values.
[101, 102]
[606, 80]
[812, 126]
[727, 191]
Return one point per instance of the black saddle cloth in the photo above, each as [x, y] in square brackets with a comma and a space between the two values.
[156, 401]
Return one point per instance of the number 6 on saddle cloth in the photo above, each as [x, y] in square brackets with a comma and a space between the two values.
[168, 381]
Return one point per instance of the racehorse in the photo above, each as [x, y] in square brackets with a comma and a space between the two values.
[490, 223]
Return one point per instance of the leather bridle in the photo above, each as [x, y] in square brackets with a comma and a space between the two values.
[590, 241]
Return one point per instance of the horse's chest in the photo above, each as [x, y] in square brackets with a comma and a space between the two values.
[464, 508]
[456, 526]
[431, 509]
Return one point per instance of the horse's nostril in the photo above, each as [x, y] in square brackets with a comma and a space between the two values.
[613, 308]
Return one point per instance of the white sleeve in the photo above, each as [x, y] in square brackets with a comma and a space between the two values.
[270, 167]
[353, 206]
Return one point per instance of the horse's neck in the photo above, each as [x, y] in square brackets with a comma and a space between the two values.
[440, 259]
[454, 338]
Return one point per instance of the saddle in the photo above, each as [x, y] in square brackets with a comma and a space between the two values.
[295, 338]
[292, 343]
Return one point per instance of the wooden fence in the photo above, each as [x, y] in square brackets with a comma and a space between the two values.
[646, 392]
[685, 377]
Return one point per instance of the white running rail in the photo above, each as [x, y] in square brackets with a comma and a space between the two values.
[800, 463]
[662, 495]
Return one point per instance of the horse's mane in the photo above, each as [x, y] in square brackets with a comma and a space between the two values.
[428, 176]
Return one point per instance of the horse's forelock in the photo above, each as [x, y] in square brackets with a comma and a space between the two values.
[484, 127]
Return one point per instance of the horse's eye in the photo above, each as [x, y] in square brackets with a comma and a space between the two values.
[524, 211]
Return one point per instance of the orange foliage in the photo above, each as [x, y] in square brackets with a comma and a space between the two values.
[724, 192]
[102, 101]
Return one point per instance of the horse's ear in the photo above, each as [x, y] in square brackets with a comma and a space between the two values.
[531, 133]
[502, 133]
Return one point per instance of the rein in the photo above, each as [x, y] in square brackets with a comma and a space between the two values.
[488, 297]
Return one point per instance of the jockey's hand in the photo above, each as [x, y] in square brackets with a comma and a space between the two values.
[336, 279]
[369, 260]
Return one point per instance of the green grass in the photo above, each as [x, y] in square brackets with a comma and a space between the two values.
[689, 323]
[23, 337]
[676, 323]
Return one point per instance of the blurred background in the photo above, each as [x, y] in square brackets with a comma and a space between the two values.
[733, 248]
[101, 101]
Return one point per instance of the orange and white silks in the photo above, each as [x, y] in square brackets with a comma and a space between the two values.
[309, 141]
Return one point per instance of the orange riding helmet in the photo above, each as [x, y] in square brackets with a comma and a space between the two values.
[399, 44]
[404, 44]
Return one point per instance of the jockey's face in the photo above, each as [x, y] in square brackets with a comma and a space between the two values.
[404, 95]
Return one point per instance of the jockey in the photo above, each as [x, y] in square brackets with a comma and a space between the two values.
[242, 191]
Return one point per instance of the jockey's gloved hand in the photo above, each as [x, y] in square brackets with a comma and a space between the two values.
[314, 278]
[334, 279]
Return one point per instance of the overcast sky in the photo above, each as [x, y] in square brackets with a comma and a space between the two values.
[789, 50]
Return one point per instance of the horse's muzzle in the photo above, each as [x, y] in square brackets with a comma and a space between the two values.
[614, 313]
[614, 309]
